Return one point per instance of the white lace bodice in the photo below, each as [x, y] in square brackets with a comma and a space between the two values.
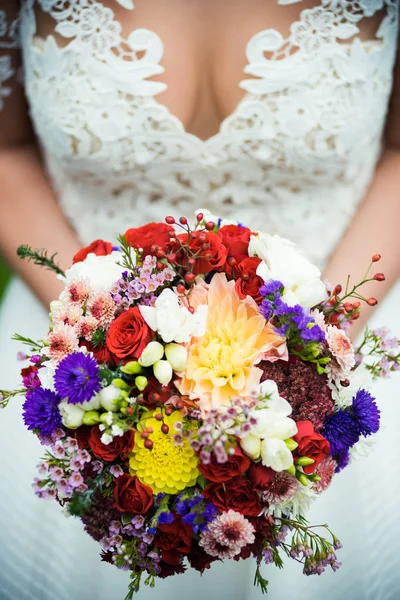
[295, 156]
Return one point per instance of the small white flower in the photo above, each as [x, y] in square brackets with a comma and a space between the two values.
[176, 356]
[101, 271]
[71, 415]
[173, 322]
[109, 418]
[109, 397]
[116, 431]
[163, 372]
[153, 352]
[106, 439]
[282, 261]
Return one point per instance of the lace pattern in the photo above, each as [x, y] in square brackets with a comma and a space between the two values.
[8, 40]
[296, 155]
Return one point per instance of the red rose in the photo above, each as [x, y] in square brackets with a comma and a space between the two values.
[174, 539]
[236, 465]
[117, 448]
[310, 444]
[237, 494]
[128, 335]
[82, 435]
[248, 283]
[153, 234]
[236, 239]
[98, 247]
[211, 254]
[101, 353]
[132, 496]
[261, 477]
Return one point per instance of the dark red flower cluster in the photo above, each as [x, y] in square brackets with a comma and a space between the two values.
[302, 386]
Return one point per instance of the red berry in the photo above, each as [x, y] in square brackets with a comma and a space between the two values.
[154, 249]
[129, 410]
[376, 257]
[372, 301]
[154, 397]
[190, 277]
[172, 257]
[171, 234]
[245, 277]
[356, 305]
[183, 220]
[232, 261]
[168, 411]
[337, 289]
[149, 429]
[180, 404]
[210, 225]
[148, 444]
[379, 277]
[208, 256]
[158, 417]
[202, 237]
[164, 428]
[192, 261]
[181, 289]
[160, 253]
[355, 316]
[200, 217]
[170, 220]
[348, 306]
[144, 435]
[159, 266]
[191, 309]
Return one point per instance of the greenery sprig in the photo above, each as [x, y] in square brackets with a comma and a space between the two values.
[40, 257]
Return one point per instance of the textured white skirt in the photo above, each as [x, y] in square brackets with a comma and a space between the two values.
[46, 556]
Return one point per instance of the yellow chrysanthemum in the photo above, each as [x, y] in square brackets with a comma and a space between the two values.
[221, 364]
[165, 467]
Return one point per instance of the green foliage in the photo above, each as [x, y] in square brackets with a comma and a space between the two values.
[39, 257]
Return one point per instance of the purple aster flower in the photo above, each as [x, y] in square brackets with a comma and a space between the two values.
[341, 431]
[40, 411]
[165, 518]
[365, 412]
[77, 378]
[342, 459]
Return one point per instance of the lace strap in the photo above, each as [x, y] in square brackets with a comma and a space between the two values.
[9, 44]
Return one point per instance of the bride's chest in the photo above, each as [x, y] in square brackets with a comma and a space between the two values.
[107, 97]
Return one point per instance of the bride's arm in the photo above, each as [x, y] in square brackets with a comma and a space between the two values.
[376, 226]
[29, 213]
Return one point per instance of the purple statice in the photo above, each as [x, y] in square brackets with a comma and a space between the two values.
[41, 412]
[365, 412]
[77, 378]
[271, 287]
[165, 518]
[195, 512]
[341, 431]
[31, 382]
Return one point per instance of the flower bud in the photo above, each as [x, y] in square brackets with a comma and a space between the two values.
[291, 470]
[291, 444]
[376, 257]
[251, 446]
[153, 352]
[176, 356]
[162, 371]
[304, 461]
[109, 397]
[92, 417]
[93, 404]
[302, 478]
[379, 277]
[71, 415]
[120, 383]
[131, 368]
[141, 382]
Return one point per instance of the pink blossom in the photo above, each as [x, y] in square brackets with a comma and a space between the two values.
[325, 470]
[67, 314]
[75, 480]
[77, 292]
[227, 535]
[86, 327]
[116, 471]
[102, 307]
[341, 347]
[56, 473]
[63, 340]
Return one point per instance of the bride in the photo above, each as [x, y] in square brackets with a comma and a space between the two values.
[272, 112]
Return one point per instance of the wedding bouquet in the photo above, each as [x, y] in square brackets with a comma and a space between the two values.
[197, 391]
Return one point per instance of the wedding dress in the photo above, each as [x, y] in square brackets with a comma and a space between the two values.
[295, 157]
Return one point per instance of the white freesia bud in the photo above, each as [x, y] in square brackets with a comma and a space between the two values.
[71, 415]
[276, 455]
[109, 397]
[153, 352]
[162, 372]
[176, 356]
[93, 404]
[251, 446]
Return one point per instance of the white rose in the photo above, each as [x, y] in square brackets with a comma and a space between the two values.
[101, 271]
[276, 455]
[153, 352]
[71, 415]
[108, 397]
[282, 261]
[251, 446]
[163, 372]
[176, 356]
[174, 323]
